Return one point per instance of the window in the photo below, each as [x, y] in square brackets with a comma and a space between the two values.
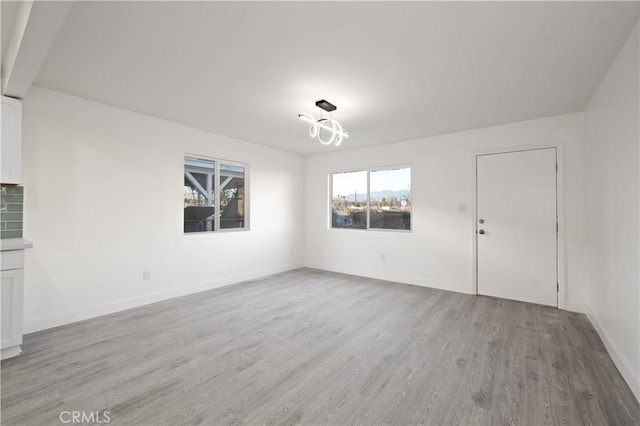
[389, 205]
[349, 201]
[231, 196]
[372, 199]
[209, 183]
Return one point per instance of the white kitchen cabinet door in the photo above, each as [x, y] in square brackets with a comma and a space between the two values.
[11, 314]
[11, 142]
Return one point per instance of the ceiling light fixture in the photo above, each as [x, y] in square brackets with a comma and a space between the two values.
[328, 125]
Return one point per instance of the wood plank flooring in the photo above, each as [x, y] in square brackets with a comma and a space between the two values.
[313, 347]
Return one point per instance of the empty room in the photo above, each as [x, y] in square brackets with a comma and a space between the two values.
[320, 213]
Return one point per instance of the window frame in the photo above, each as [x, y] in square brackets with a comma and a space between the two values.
[369, 170]
[216, 192]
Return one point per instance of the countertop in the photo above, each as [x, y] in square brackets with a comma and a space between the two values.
[14, 244]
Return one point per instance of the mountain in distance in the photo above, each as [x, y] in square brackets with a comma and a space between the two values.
[379, 195]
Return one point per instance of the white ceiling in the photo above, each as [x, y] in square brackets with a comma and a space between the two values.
[9, 14]
[395, 70]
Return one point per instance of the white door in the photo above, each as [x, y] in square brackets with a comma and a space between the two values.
[517, 226]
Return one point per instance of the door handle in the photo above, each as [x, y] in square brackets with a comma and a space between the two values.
[481, 231]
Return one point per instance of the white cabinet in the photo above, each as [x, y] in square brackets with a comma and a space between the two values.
[11, 302]
[11, 141]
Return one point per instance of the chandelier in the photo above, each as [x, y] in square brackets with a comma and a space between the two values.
[327, 130]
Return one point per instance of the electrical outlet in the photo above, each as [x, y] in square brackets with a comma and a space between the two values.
[146, 275]
[383, 256]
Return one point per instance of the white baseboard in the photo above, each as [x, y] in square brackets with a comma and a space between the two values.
[395, 277]
[578, 307]
[618, 359]
[43, 323]
[10, 352]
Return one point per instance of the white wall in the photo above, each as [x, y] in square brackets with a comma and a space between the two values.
[439, 251]
[612, 182]
[103, 202]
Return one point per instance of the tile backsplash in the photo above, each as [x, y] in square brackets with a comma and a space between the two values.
[11, 204]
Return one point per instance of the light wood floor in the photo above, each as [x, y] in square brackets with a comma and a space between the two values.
[315, 347]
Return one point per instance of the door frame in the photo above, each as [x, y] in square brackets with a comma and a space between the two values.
[560, 209]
